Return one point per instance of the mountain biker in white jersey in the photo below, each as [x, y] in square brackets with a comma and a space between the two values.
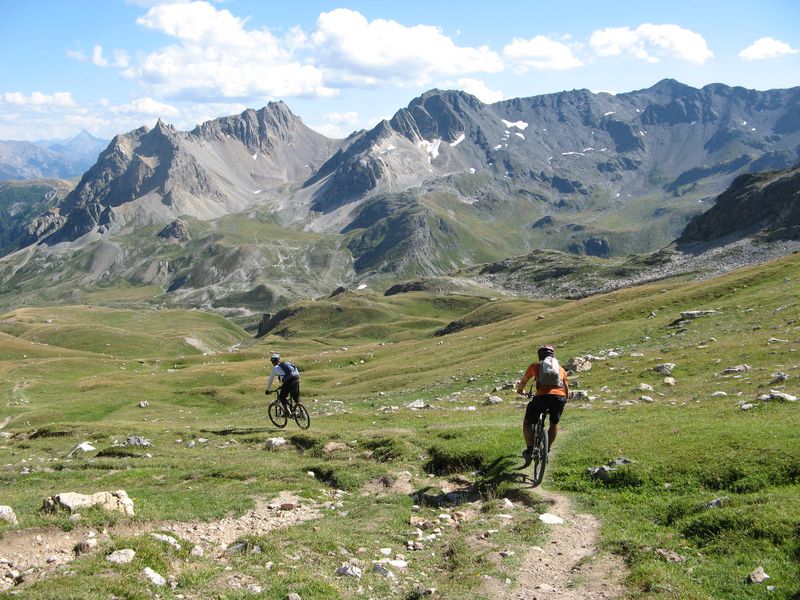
[288, 375]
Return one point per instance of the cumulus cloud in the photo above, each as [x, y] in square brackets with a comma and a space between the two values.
[97, 57]
[34, 123]
[331, 130]
[38, 99]
[540, 52]
[649, 42]
[216, 57]
[146, 107]
[121, 59]
[480, 90]
[78, 55]
[356, 51]
[335, 117]
[765, 48]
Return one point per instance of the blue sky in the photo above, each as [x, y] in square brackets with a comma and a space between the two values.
[109, 66]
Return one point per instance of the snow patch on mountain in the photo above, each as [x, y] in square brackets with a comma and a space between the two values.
[432, 148]
[518, 124]
[458, 140]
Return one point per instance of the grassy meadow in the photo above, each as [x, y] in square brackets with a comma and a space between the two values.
[78, 373]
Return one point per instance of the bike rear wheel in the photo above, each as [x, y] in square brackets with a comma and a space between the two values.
[540, 446]
[277, 414]
[301, 416]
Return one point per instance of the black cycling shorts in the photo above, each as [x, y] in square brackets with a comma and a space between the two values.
[549, 403]
[290, 388]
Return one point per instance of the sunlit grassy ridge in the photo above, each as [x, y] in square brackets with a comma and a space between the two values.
[362, 354]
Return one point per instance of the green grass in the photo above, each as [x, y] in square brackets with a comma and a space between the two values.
[362, 354]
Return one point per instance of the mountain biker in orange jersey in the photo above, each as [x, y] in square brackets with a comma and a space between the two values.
[550, 397]
[289, 377]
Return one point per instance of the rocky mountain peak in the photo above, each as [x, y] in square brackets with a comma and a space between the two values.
[670, 88]
[162, 129]
[436, 114]
[259, 130]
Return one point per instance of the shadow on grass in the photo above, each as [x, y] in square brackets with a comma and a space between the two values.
[500, 478]
[503, 478]
[240, 430]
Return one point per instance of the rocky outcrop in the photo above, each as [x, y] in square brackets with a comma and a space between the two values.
[115, 501]
[177, 231]
[768, 202]
[270, 322]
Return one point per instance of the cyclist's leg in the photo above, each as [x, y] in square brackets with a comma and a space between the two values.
[552, 431]
[554, 409]
[294, 390]
[283, 393]
[532, 412]
[527, 432]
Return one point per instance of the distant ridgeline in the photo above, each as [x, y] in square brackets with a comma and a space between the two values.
[268, 210]
[62, 159]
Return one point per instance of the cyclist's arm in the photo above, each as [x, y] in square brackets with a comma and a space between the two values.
[269, 381]
[525, 379]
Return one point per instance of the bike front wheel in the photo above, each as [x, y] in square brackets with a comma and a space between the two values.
[540, 455]
[301, 416]
[277, 414]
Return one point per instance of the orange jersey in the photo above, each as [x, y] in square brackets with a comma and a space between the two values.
[532, 372]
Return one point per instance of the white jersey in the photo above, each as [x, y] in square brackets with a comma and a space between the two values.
[276, 372]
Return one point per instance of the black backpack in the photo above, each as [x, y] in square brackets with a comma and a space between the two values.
[289, 371]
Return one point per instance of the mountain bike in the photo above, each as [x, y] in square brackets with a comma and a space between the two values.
[541, 445]
[279, 413]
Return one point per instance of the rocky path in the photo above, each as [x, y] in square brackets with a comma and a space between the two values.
[36, 553]
[569, 566]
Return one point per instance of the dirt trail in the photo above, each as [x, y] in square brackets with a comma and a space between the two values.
[37, 553]
[568, 566]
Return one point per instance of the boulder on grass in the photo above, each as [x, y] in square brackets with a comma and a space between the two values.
[114, 501]
[7, 515]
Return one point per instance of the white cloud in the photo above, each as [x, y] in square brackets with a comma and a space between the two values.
[195, 114]
[766, 47]
[78, 55]
[97, 57]
[648, 42]
[350, 118]
[121, 58]
[540, 52]
[147, 107]
[480, 90]
[331, 130]
[361, 52]
[41, 125]
[38, 99]
[337, 125]
[216, 57]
